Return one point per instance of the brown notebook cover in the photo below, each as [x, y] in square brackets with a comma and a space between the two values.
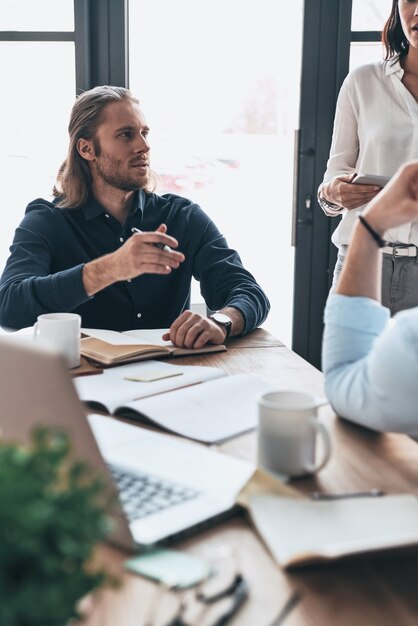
[107, 354]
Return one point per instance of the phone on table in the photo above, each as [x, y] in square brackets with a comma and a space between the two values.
[370, 179]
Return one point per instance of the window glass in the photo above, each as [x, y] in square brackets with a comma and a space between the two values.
[34, 110]
[370, 14]
[362, 53]
[37, 15]
[219, 86]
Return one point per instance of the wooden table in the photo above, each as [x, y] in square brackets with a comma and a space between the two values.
[366, 591]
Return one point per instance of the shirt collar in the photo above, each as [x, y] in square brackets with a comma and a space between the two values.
[93, 208]
[393, 66]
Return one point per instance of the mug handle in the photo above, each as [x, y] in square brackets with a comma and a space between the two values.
[321, 430]
[35, 329]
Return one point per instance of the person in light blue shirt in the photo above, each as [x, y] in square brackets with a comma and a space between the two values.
[370, 362]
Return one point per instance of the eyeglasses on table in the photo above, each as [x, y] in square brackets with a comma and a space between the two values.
[213, 602]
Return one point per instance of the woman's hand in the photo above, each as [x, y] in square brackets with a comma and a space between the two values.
[341, 191]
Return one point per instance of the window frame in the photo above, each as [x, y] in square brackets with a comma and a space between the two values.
[100, 39]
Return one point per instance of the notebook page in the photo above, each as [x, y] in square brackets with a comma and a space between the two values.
[211, 412]
[299, 531]
[130, 337]
[152, 336]
[111, 389]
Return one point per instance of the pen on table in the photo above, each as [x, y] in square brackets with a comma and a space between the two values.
[157, 245]
[287, 608]
[373, 493]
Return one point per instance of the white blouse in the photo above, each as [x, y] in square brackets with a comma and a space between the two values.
[375, 131]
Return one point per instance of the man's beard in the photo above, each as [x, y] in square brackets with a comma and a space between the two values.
[109, 171]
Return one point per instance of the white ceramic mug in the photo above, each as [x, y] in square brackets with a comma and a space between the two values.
[287, 433]
[62, 332]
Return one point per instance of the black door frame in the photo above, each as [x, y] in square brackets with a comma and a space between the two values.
[325, 63]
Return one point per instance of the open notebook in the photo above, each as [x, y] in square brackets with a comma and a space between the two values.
[109, 347]
[300, 531]
[200, 403]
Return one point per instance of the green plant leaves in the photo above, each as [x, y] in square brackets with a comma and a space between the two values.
[52, 514]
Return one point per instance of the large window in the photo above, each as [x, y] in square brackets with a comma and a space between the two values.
[219, 85]
[368, 18]
[38, 88]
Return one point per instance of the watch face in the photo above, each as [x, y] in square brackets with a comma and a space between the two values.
[221, 318]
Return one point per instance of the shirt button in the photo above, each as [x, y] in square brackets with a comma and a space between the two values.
[121, 239]
[107, 215]
[139, 315]
[129, 280]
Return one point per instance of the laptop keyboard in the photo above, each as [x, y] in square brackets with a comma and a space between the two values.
[143, 494]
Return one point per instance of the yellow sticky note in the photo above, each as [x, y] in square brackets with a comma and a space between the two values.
[149, 377]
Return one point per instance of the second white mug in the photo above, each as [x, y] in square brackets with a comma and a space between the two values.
[287, 433]
[62, 332]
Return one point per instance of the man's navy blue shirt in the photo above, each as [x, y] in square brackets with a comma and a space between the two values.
[44, 271]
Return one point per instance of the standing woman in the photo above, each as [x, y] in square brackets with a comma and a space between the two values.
[375, 131]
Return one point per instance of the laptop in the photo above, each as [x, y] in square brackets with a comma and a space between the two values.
[167, 487]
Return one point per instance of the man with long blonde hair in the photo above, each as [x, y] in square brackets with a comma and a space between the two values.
[115, 252]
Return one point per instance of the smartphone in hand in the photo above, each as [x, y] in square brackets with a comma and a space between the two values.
[370, 179]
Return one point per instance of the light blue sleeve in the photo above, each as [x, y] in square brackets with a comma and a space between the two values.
[371, 364]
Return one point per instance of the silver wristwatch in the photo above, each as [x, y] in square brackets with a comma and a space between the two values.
[222, 320]
[329, 208]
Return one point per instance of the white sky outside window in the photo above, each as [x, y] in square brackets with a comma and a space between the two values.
[219, 86]
[362, 53]
[37, 15]
[38, 82]
[370, 14]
